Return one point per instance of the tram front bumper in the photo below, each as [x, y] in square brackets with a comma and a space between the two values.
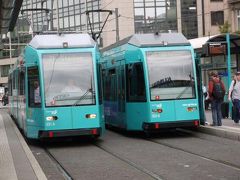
[69, 132]
[164, 125]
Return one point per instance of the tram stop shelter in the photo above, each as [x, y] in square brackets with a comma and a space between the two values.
[218, 53]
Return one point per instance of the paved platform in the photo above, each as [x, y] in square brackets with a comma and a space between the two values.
[16, 159]
[228, 129]
[18, 162]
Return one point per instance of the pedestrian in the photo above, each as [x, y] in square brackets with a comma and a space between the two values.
[216, 90]
[5, 99]
[206, 97]
[234, 96]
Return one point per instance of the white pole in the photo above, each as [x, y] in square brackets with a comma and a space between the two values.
[10, 45]
[86, 16]
[57, 17]
[31, 23]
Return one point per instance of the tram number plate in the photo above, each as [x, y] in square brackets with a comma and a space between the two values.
[50, 124]
[155, 115]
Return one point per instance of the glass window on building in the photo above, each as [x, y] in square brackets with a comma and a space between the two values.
[69, 12]
[189, 18]
[217, 18]
[161, 16]
[238, 20]
[5, 70]
[155, 15]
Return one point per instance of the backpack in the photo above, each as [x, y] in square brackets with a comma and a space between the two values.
[233, 87]
[218, 91]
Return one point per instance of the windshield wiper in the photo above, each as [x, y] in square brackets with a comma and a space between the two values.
[183, 91]
[83, 96]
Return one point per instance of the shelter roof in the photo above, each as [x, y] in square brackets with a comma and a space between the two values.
[197, 43]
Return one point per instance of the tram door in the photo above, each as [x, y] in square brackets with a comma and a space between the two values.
[33, 93]
[121, 95]
[200, 90]
[21, 99]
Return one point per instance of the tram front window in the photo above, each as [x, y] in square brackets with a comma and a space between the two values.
[68, 79]
[170, 75]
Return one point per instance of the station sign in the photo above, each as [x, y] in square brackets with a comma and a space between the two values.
[217, 48]
[214, 49]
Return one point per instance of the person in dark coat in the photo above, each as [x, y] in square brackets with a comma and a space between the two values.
[5, 99]
[216, 102]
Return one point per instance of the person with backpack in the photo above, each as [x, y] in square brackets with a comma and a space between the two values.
[216, 91]
[234, 96]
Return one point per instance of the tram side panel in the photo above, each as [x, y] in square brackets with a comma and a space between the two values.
[34, 115]
[137, 107]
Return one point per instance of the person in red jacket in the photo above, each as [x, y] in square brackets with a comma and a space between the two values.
[216, 90]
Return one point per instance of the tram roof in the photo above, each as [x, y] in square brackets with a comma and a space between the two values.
[162, 39]
[152, 40]
[50, 41]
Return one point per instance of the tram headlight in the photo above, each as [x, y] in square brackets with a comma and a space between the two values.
[51, 118]
[91, 116]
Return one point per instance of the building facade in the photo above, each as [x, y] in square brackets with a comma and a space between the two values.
[234, 8]
[191, 17]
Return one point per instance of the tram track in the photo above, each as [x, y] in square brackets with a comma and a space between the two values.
[129, 162]
[65, 174]
[66, 170]
[220, 162]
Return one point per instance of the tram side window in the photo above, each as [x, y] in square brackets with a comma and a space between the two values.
[136, 90]
[14, 82]
[10, 85]
[100, 81]
[34, 95]
[110, 90]
[21, 83]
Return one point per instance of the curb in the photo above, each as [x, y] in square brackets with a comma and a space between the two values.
[223, 131]
[34, 163]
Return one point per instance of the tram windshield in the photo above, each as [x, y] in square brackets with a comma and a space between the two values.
[68, 79]
[170, 75]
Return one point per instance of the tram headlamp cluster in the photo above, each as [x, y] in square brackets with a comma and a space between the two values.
[91, 116]
[51, 118]
[190, 109]
[157, 110]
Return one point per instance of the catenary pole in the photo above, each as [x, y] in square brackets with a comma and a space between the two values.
[229, 69]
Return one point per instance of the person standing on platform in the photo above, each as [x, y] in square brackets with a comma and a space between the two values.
[234, 96]
[216, 90]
